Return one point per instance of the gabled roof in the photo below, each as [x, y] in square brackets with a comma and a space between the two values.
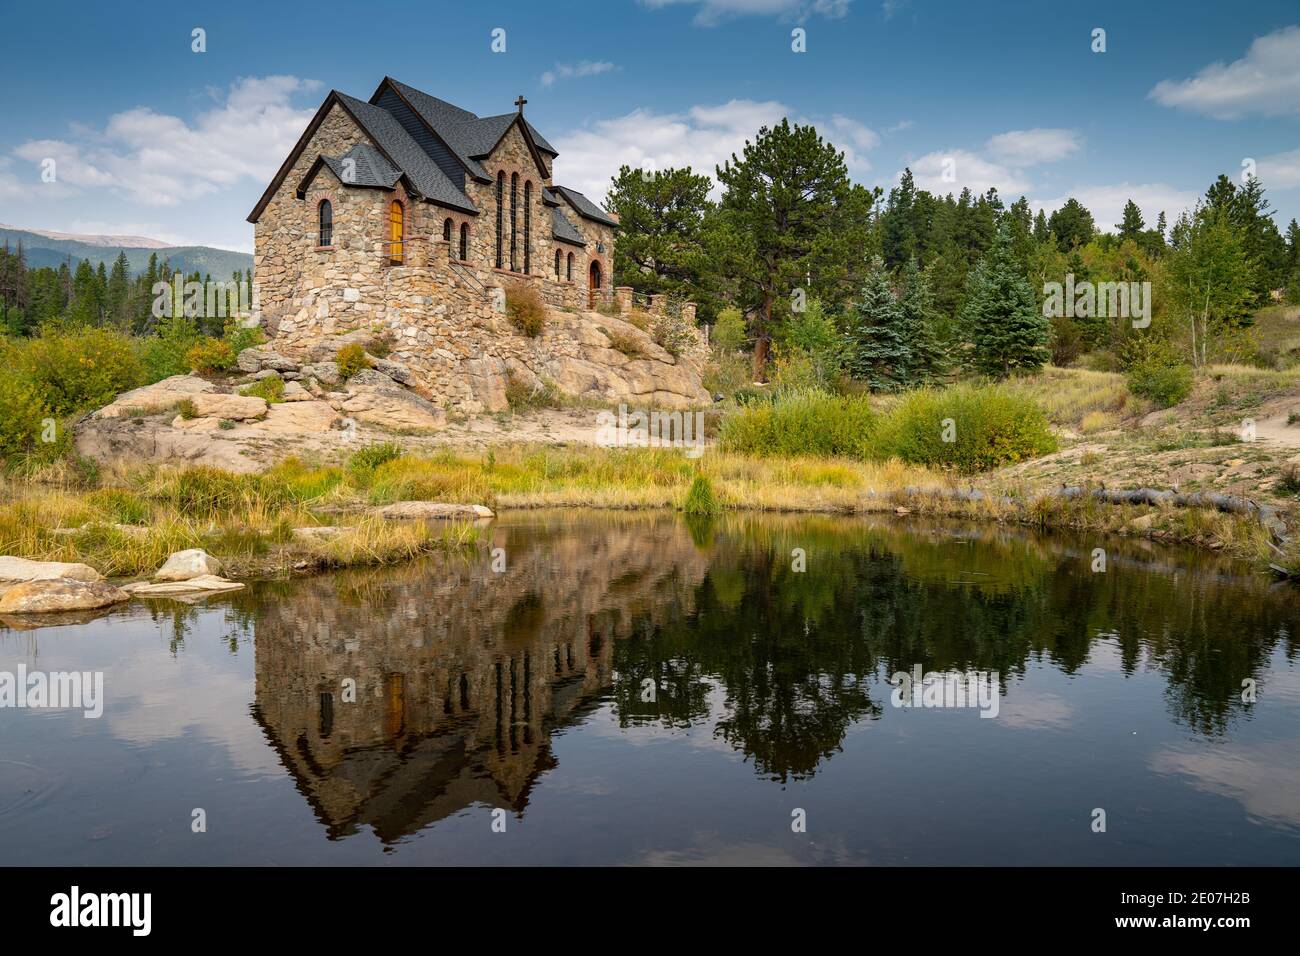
[564, 230]
[425, 142]
[585, 207]
[394, 145]
[367, 167]
[429, 180]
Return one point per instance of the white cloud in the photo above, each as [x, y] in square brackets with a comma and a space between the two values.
[1029, 147]
[1106, 203]
[566, 71]
[160, 160]
[999, 165]
[713, 12]
[950, 171]
[1265, 81]
[890, 8]
[1280, 171]
[703, 138]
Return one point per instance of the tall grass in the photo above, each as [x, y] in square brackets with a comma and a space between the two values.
[966, 428]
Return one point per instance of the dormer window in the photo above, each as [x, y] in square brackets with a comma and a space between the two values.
[325, 236]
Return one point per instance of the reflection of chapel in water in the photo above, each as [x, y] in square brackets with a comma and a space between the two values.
[461, 674]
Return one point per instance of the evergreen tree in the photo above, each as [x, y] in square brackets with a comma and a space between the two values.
[875, 349]
[789, 219]
[1133, 224]
[1072, 225]
[1007, 330]
[917, 322]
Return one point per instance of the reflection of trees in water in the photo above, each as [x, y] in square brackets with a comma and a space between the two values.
[796, 652]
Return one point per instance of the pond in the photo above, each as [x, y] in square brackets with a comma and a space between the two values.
[588, 688]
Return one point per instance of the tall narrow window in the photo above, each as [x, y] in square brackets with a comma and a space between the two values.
[464, 241]
[557, 263]
[446, 230]
[326, 237]
[528, 226]
[501, 189]
[514, 222]
[569, 272]
[396, 233]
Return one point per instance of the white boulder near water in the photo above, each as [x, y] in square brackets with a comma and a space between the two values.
[184, 565]
[22, 569]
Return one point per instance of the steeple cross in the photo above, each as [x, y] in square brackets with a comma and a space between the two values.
[520, 102]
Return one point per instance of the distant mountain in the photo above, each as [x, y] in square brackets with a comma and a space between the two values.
[45, 248]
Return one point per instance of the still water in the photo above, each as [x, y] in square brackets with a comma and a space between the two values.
[643, 690]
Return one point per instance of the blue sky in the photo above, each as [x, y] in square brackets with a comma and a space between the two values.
[151, 138]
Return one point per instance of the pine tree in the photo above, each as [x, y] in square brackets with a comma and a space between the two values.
[876, 352]
[917, 322]
[1133, 224]
[1007, 329]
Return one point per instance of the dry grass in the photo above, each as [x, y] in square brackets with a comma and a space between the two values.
[1068, 395]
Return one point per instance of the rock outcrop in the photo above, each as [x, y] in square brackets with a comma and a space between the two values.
[60, 594]
[21, 569]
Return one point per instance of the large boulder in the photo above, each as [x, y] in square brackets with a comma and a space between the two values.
[234, 407]
[257, 360]
[158, 397]
[183, 565]
[398, 372]
[416, 510]
[292, 418]
[375, 398]
[21, 569]
[201, 584]
[327, 373]
[60, 594]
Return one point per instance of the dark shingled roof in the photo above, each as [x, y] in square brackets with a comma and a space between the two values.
[469, 136]
[432, 157]
[585, 206]
[419, 167]
[369, 167]
[561, 228]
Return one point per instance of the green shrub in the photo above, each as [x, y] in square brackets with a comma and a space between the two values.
[120, 505]
[801, 423]
[22, 415]
[74, 369]
[270, 388]
[525, 309]
[364, 461]
[1160, 382]
[163, 353]
[351, 359]
[240, 337]
[210, 355]
[729, 330]
[623, 342]
[700, 499]
[967, 427]
[185, 408]
[672, 333]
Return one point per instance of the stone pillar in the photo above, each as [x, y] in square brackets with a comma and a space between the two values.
[657, 304]
[623, 296]
[688, 312]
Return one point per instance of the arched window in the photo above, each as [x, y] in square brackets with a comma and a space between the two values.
[528, 226]
[569, 272]
[326, 213]
[501, 189]
[446, 230]
[514, 222]
[396, 233]
[464, 241]
[558, 257]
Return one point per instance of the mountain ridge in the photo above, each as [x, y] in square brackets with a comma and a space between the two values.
[44, 247]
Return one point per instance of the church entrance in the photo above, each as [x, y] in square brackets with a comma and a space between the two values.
[593, 286]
